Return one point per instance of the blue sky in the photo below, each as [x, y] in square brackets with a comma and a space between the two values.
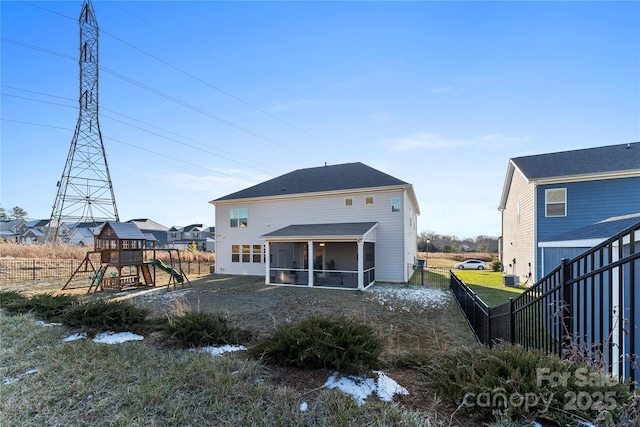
[201, 99]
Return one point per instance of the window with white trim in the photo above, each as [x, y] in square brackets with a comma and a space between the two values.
[239, 217]
[348, 201]
[395, 205]
[246, 253]
[368, 200]
[235, 253]
[555, 202]
[257, 253]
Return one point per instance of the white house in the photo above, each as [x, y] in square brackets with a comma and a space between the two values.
[342, 226]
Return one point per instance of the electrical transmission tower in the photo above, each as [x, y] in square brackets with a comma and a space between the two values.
[85, 192]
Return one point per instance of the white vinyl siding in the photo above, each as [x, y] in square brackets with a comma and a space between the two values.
[393, 239]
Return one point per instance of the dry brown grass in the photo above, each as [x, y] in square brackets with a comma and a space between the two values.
[60, 251]
[457, 257]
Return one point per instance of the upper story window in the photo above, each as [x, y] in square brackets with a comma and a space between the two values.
[348, 201]
[395, 205]
[368, 200]
[555, 202]
[239, 217]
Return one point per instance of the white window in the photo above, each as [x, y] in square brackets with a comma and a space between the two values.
[395, 205]
[257, 253]
[555, 201]
[348, 201]
[246, 253]
[368, 200]
[235, 253]
[239, 217]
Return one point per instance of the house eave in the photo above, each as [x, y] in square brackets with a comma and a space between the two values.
[368, 190]
[586, 177]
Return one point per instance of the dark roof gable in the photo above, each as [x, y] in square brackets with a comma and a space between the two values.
[611, 158]
[319, 179]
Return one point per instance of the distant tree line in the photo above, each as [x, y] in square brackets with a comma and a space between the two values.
[453, 244]
[15, 213]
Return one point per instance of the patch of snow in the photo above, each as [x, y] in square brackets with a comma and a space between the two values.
[157, 294]
[75, 337]
[361, 388]
[116, 338]
[423, 298]
[216, 351]
[11, 380]
[388, 387]
[357, 387]
[303, 407]
[41, 323]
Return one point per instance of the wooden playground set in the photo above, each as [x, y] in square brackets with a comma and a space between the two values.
[122, 264]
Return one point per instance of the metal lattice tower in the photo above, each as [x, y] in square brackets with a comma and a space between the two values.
[85, 191]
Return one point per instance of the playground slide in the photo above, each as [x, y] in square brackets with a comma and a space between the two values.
[179, 278]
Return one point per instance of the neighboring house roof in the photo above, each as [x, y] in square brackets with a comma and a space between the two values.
[350, 230]
[346, 176]
[84, 232]
[150, 237]
[612, 161]
[197, 227]
[86, 224]
[593, 234]
[126, 230]
[148, 224]
[37, 223]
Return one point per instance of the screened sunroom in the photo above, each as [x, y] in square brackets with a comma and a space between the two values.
[338, 256]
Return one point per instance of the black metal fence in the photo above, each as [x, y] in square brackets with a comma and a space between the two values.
[437, 277]
[18, 270]
[585, 308]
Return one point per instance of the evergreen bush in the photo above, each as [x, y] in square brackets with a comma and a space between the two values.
[197, 329]
[509, 381]
[318, 342]
[100, 316]
[46, 307]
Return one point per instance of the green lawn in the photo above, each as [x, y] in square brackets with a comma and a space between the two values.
[488, 285]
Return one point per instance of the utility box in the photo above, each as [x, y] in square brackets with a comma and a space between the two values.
[510, 280]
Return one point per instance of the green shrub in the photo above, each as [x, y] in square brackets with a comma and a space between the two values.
[497, 266]
[44, 306]
[197, 329]
[485, 382]
[318, 342]
[99, 316]
[13, 302]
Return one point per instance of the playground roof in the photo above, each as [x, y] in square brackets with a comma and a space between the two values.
[125, 230]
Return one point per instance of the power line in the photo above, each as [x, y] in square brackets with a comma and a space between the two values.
[157, 92]
[123, 143]
[131, 125]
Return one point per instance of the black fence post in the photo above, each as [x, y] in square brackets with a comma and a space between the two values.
[33, 272]
[566, 308]
[421, 276]
[512, 323]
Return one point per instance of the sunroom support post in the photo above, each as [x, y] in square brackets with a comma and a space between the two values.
[360, 265]
[310, 262]
[267, 263]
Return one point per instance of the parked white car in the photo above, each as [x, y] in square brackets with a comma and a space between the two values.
[471, 264]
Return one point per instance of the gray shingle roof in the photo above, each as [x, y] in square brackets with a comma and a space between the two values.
[126, 230]
[324, 230]
[611, 158]
[319, 179]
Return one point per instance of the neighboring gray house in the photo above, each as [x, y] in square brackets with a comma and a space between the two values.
[342, 226]
[547, 195]
[12, 230]
[182, 237]
[150, 227]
